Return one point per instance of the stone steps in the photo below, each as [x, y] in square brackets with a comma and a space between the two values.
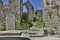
[14, 38]
[12, 35]
[33, 33]
[10, 32]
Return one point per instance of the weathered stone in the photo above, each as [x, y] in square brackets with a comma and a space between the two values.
[45, 38]
[1, 14]
[34, 31]
[30, 9]
[10, 21]
[41, 32]
[16, 6]
[50, 14]
[13, 38]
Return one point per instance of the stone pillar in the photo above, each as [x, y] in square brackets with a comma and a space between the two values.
[30, 15]
[1, 14]
[10, 15]
[10, 21]
[45, 13]
[16, 6]
[44, 3]
[10, 18]
[19, 12]
[58, 27]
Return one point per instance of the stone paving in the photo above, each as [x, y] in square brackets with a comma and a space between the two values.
[45, 38]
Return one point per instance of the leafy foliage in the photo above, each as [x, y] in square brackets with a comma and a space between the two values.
[52, 31]
[39, 22]
[24, 24]
[2, 28]
[46, 32]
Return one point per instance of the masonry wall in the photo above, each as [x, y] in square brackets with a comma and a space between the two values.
[50, 12]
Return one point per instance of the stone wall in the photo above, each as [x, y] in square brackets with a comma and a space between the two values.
[50, 13]
[54, 18]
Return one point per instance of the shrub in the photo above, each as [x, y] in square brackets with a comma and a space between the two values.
[2, 28]
[39, 22]
[29, 24]
[52, 32]
[46, 32]
[24, 25]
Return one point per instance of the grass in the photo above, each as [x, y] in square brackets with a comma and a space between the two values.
[21, 27]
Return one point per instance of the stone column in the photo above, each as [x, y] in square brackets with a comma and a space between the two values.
[10, 15]
[10, 21]
[19, 11]
[1, 14]
[58, 27]
[45, 13]
[16, 6]
[10, 18]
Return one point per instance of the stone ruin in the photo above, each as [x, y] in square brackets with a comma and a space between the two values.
[51, 14]
[11, 15]
[30, 9]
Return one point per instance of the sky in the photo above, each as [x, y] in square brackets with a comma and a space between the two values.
[37, 4]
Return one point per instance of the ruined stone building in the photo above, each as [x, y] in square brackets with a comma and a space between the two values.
[51, 14]
[12, 13]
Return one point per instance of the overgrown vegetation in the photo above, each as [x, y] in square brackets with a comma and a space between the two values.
[50, 31]
[24, 24]
[2, 28]
[39, 22]
[46, 32]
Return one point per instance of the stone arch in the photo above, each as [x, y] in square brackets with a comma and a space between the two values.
[30, 9]
[24, 8]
